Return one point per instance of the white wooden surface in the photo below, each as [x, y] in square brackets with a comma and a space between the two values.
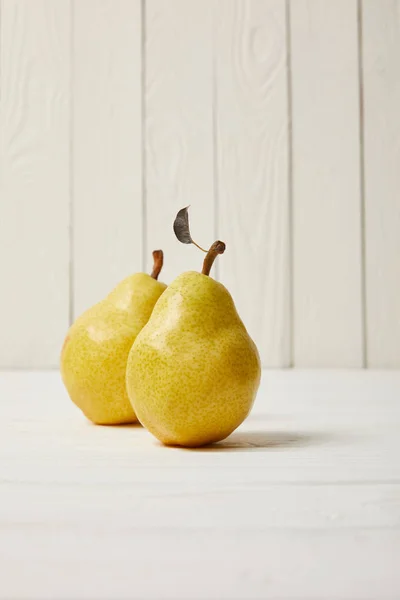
[381, 86]
[107, 147]
[34, 180]
[303, 501]
[276, 120]
[253, 183]
[327, 261]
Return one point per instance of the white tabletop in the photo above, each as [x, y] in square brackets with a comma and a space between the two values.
[303, 501]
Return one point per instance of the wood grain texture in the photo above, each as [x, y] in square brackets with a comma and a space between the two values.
[253, 182]
[326, 184]
[178, 121]
[107, 146]
[132, 564]
[34, 180]
[381, 87]
[302, 501]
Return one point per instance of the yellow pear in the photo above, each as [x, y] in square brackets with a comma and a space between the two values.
[95, 351]
[193, 371]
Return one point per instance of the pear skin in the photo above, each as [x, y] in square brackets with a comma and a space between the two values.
[96, 348]
[193, 371]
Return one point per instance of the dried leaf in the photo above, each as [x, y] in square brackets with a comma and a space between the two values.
[181, 226]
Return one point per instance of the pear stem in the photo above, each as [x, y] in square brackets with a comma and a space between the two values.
[217, 248]
[158, 258]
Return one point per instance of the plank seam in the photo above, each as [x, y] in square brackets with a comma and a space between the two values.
[364, 323]
[71, 166]
[290, 183]
[143, 126]
[215, 135]
[1, 47]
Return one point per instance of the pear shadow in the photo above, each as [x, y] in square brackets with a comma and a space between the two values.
[261, 441]
[129, 426]
[116, 425]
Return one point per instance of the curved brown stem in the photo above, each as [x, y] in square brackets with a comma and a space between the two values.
[217, 248]
[158, 258]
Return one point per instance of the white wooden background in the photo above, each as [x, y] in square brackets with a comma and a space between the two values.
[279, 123]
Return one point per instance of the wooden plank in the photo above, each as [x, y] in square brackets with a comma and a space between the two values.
[179, 138]
[326, 184]
[381, 87]
[187, 506]
[34, 181]
[137, 564]
[107, 146]
[253, 183]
